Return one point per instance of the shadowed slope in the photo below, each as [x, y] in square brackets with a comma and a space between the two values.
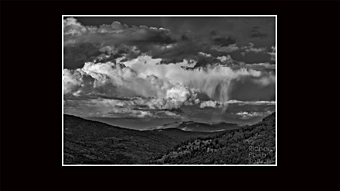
[253, 144]
[92, 142]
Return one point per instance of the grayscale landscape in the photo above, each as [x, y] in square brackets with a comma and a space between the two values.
[169, 90]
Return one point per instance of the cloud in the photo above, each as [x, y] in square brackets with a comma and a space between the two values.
[76, 55]
[251, 48]
[220, 35]
[204, 54]
[256, 32]
[217, 104]
[145, 83]
[99, 107]
[224, 41]
[74, 28]
[260, 66]
[251, 102]
[226, 49]
[267, 73]
[213, 81]
[265, 80]
[226, 59]
[208, 104]
[69, 81]
[115, 35]
[117, 80]
[182, 38]
[241, 30]
[272, 53]
[248, 115]
[142, 114]
[128, 63]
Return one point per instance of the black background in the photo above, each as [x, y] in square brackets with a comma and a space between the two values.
[307, 101]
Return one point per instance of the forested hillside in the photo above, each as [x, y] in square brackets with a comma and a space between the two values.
[92, 142]
[249, 145]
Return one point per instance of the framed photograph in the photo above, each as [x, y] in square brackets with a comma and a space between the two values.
[169, 90]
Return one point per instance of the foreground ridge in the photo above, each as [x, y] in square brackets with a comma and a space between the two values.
[253, 144]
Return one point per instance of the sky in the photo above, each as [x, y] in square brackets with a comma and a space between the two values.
[207, 69]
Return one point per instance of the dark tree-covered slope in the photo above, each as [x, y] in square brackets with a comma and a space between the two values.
[92, 142]
[249, 145]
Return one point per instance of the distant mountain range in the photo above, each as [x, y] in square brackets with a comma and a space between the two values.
[201, 127]
[92, 142]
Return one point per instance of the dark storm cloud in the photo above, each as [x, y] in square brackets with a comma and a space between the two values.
[83, 42]
[256, 33]
[176, 40]
[213, 33]
[225, 41]
[156, 37]
[184, 38]
[130, 21]
[247, 91]
[244, 29]
[251, 57]
[176, 53]
[220, 36]
[76, 55]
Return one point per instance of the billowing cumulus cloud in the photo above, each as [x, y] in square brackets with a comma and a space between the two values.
[214, 81]
[159, 81]
[157, 86]
[114, 80]
[72, 27]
